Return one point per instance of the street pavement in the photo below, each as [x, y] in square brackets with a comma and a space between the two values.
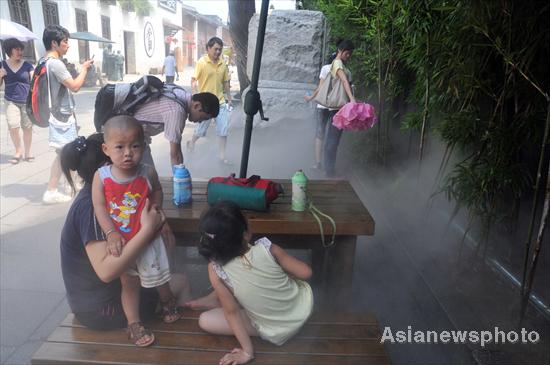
[32, 294]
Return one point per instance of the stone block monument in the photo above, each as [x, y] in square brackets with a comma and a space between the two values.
[293, 53]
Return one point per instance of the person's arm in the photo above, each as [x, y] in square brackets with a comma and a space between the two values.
[290, 264]
[162, 72]
[115, 241]
[194, 85]
[156, 188]
[2, 73]
[176, 156]
[108, 267]
[227, 86]
[231, 310]
[315, 92]
[75, 84]
[157, 197]
[227, 89]
[195, 77]
[342, 75]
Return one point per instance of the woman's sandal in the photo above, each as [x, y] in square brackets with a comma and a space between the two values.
[29, 159]
[170, 312]
[137, 333]
[15, 160]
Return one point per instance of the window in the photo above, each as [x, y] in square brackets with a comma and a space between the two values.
[19, 12]
[51, 14]
[82, 26]
[168, 5]
[105, 27]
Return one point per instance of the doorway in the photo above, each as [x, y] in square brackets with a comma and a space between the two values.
[130, 52]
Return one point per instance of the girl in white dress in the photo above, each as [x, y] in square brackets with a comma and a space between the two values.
[260, 288]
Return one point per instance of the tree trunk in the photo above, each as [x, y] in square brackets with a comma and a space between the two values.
[240, 13]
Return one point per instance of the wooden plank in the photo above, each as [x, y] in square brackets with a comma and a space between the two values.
[204, 341]
[200, 187]
[319, 318]
[281, 203]
[310, 330]
[53, 353]
[282, 226]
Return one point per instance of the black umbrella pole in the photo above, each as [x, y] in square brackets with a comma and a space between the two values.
[254, 86]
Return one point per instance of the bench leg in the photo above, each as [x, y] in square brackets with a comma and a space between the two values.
[335, 266]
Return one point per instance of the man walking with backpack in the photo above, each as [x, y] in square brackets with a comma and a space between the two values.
[61, 86]
[212, 75]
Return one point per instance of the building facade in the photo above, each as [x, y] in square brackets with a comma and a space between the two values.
[143, 39]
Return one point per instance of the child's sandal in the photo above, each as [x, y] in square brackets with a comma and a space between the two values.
[138, 334]
[170, 311]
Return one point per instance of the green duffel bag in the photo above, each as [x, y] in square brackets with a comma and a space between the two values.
[253, 193]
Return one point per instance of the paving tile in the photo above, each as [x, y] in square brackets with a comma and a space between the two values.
[51, 322]
[5, 352]
[23, 354]
[40, 235]
[22, 312]
[32, 272]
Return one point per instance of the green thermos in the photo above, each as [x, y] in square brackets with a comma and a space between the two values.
[299, 188]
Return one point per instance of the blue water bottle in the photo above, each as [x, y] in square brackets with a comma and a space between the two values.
[182, 185]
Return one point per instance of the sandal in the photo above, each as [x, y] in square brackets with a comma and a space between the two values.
[29, 159]
[15, 160]
[170, 312]
[137, 333]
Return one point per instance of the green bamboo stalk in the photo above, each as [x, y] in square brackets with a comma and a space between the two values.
[426, 100]
[535, 198]
[442, 166]
[535, 257]
[463, 241]
[380, 101]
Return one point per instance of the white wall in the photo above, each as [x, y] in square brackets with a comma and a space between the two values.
[120, 21]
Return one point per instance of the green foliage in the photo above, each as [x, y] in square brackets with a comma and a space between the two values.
[141, 7]
[477, 69]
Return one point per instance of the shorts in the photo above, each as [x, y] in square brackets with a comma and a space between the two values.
[16, 115]
[322, 118]
[222, 123]
[112, 316]
[152, 265]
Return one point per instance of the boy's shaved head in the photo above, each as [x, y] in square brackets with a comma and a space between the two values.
[122, 122]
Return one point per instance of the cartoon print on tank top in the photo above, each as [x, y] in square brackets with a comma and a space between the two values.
[121, 213]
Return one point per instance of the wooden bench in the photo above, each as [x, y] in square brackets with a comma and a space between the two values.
[336, 339]
[332, 267]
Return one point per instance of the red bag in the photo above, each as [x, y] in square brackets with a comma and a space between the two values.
[253, 193]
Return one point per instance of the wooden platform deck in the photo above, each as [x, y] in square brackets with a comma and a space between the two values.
[345, 339]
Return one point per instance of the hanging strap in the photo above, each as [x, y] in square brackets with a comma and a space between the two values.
[316, 213]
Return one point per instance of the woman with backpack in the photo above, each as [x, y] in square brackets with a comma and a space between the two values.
[17, 74]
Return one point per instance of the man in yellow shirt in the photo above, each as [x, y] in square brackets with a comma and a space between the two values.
[212, 75]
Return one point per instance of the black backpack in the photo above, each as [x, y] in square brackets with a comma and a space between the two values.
[141, 91]
[37, 105]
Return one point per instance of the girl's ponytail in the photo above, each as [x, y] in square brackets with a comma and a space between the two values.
[83, 155]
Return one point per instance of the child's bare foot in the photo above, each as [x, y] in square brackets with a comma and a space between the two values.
[209, 301]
